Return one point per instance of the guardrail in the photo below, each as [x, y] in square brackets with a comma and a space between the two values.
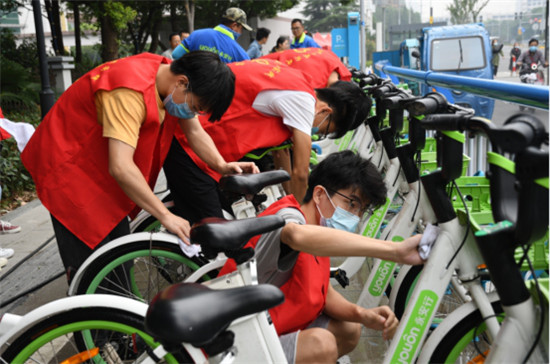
[520, 93]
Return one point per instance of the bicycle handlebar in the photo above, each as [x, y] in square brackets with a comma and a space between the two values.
[517, 133]
[430, 104]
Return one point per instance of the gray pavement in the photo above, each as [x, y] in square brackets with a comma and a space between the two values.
[36, 259]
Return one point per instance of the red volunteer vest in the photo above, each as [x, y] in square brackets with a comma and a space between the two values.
[315, 62]
[68, 156]
[243, 129]
[305, 291]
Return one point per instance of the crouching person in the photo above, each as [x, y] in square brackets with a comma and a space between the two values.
[316, 323]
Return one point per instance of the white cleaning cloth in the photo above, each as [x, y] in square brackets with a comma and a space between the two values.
[190, 250]
[427, 241]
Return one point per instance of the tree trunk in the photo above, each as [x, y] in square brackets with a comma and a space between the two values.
[52, 9]
[109, 37]
[57, 30]
[190, 12]
[77, 39]
[155, 35]
[174, 18]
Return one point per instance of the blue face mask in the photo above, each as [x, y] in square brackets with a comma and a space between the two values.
[340, 219]
[533, 49]
[315, 129]
[181, 111]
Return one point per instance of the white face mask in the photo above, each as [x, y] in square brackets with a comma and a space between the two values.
[340, 219]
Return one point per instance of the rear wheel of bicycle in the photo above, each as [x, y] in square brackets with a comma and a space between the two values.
[138, 270]
[467, 341]
[86, 335]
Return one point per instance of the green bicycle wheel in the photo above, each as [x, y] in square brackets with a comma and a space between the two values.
[138, 270]
[466, 341]
[87, 335]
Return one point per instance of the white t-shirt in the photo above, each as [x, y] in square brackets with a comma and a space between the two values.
[297, 108]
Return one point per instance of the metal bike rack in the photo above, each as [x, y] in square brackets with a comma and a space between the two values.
[519, 93]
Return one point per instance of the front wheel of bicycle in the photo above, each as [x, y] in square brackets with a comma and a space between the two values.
[467, 341]
[138, 269]
[86, 335]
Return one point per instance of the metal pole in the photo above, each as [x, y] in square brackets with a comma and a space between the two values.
[47, 97]
[362, 44]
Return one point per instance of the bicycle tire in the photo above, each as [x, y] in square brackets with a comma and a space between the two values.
[458, 343]
[138, 269]
[112, 331]
[405, 290]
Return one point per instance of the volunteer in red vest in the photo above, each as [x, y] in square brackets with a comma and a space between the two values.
[273, 103]
[96, 155]
[315, 323]
[323, 66]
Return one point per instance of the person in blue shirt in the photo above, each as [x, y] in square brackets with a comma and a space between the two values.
[255, 48]
[221, 40]
[301, 40]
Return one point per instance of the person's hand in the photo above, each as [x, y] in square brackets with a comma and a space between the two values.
[239, 167]
[177, 225]
[382, 319]
[407, 251]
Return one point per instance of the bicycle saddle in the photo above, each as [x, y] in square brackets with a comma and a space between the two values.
[195, 314]
[251, 184]
[216, 235]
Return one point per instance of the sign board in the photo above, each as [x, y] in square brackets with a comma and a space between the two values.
[340, 41]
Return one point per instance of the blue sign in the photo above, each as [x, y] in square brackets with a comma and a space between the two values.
[340, 41]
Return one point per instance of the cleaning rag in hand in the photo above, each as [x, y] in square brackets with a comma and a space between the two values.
[428, 239]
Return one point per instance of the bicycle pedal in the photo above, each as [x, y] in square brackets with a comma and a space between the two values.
[341, 277]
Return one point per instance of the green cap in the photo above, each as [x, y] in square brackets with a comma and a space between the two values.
[237, 15]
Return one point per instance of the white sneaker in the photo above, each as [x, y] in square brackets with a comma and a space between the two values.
[6, 253]
[3, 262]
[7, 228]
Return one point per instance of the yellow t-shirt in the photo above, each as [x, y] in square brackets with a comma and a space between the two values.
[121, 112]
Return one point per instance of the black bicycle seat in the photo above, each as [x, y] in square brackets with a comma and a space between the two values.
[216, 235]
[195, 314]
[251, 184]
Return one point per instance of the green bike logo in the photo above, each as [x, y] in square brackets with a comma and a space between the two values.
[376, 220]
[417, 323]
[383, 273]
[381, 277]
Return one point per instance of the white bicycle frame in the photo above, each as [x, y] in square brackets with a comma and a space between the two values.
[431, 286]
[256, 339]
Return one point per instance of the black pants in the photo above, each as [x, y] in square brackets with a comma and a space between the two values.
[74, 252]
[195, 193]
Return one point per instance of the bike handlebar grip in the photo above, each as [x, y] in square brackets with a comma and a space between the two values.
[388, 135]
[430, 104]
[394, 102]
[382, 90]
[519, 132]
[442, 122]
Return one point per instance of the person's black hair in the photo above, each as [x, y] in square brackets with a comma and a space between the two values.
[280, 41]
[533, 40]
[346, 169]
[296, 20]
[350, 106]
[210, 78]
[171, 35]
[262, 33]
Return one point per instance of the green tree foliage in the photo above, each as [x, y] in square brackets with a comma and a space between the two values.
[325, 15]
[208, 13]
[466, 11]
[19, 80]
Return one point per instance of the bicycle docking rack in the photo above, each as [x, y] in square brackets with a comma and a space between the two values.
[519, 93]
